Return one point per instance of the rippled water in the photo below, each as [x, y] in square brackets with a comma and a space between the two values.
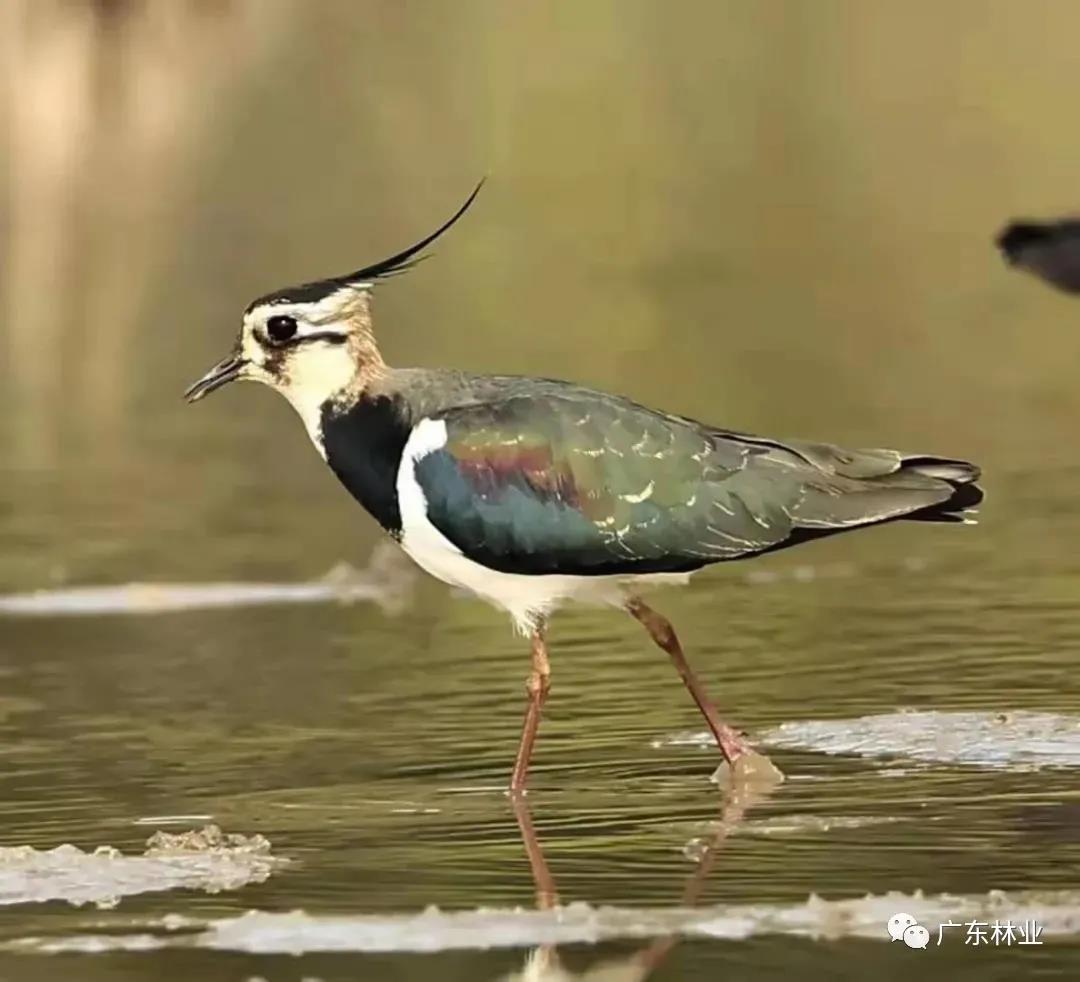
[370, 751]
[218, 762]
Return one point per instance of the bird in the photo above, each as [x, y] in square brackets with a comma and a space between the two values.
[1048, 250]
[532, 492]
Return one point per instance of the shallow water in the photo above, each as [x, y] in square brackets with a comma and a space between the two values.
[372, 751]
[760, 218]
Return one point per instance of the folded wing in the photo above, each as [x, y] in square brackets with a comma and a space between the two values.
[598, 486]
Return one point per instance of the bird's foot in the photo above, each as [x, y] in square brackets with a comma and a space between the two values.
[750, 771]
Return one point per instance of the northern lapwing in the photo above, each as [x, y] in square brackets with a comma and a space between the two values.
[530, 492]
[1048, 250]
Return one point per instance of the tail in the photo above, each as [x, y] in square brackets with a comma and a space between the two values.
[854, 488]
[830, 489]
[959, 475]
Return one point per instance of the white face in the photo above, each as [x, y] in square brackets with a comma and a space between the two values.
[311, 353]
[302, 350]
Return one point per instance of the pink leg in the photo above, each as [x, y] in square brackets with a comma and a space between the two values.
[731, 743]
[537, 685]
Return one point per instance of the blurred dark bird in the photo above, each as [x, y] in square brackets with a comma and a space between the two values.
[1049, 250]
[530, 492]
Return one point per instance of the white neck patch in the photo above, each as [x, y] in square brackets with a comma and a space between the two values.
[315, 376]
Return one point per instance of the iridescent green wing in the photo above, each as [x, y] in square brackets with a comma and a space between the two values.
[593, 485]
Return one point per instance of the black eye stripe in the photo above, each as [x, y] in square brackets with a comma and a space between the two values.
[332, 337]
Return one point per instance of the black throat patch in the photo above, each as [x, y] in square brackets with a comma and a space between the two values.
[363, 446]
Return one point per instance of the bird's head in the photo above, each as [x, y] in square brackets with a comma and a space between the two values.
[314, 343]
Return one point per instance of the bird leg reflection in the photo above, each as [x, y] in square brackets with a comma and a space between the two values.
[543, 962]
[547, 894]
[737, 801]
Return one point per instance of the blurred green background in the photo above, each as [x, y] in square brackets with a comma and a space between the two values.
[774, 216]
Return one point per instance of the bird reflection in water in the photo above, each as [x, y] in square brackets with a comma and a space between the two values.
[543, 964]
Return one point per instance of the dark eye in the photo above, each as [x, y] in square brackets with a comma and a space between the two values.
[280, 328]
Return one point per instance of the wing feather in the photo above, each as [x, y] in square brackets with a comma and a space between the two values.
[555, 483]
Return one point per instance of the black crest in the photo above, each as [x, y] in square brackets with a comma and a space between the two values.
[317, 289]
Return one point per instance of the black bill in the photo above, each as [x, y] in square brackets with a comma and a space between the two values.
[222, 373]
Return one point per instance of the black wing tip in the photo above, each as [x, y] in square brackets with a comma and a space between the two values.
[964, 497]
[960, 475]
